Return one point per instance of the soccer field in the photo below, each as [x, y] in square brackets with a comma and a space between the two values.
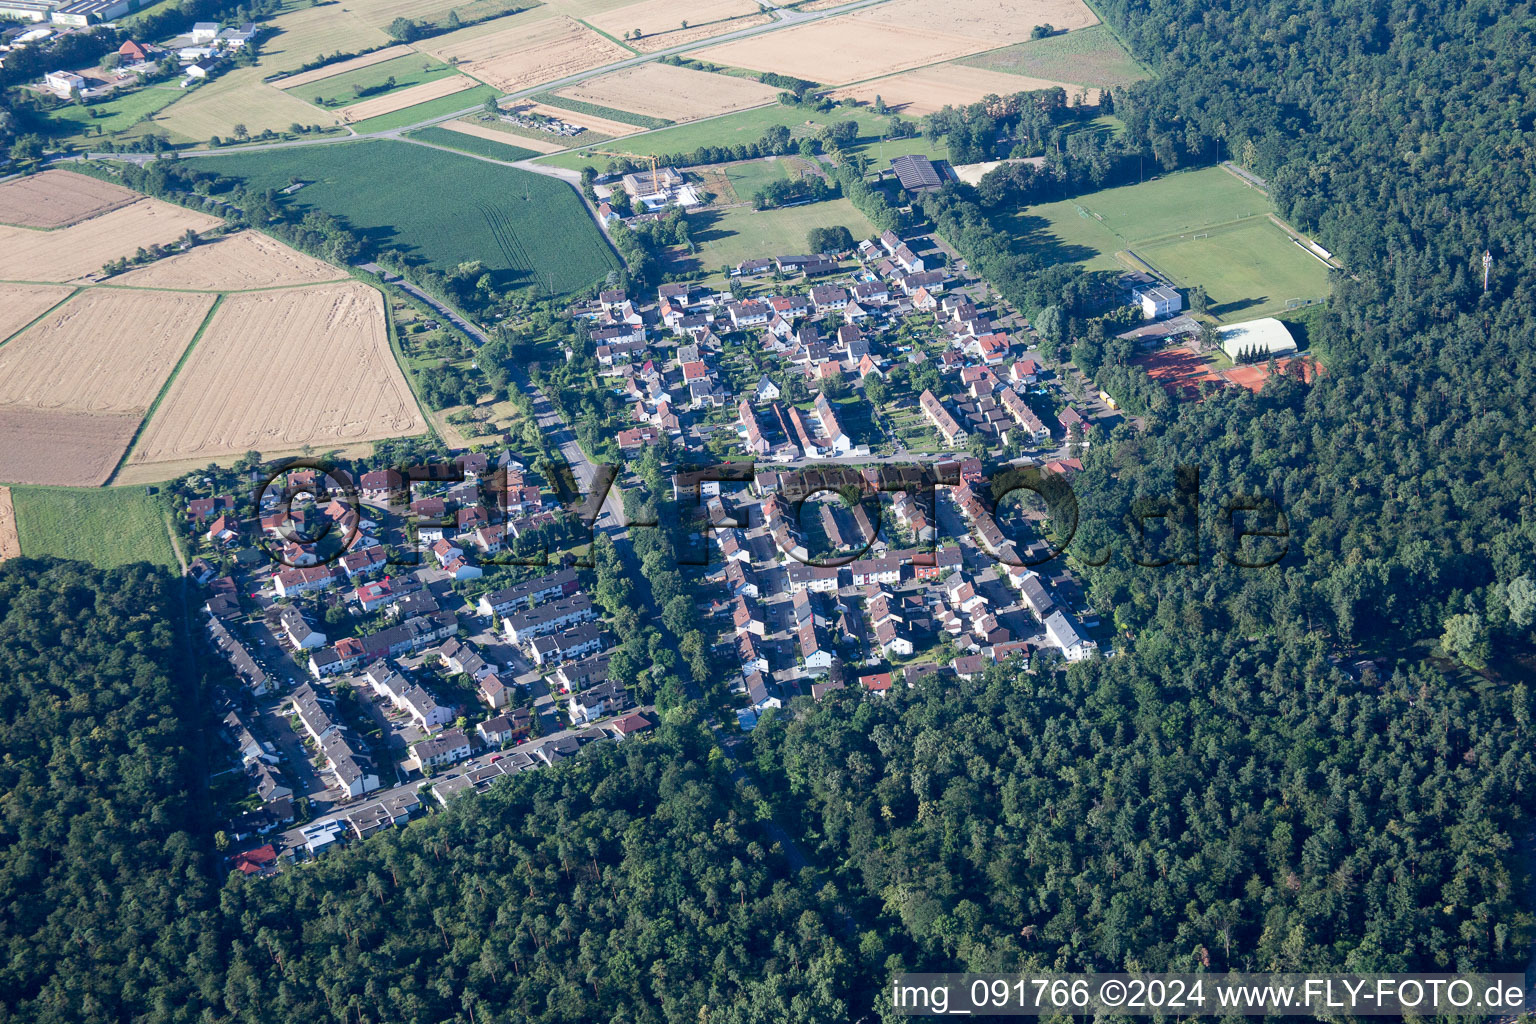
[1200, 227]
[1249, 269]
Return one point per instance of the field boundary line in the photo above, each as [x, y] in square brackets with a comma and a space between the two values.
[397, 351]
[164, 389]
[45, 313]
[170, 531]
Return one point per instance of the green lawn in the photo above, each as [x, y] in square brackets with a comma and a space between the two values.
[340, 90]
[104, 526]
[472, 144]
[730, 236]
[1246, 264]
[1088, 56]
[118, 113]
[440, 107]
[442, 208]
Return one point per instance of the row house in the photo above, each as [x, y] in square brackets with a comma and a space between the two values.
[562, 583]
[577, 642]
[520, 627]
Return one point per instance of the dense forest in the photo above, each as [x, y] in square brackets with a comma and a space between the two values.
[103, 881]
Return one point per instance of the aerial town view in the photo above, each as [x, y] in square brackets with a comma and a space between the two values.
[732, 511]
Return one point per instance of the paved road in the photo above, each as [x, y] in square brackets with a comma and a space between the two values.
[783, 18]
[611, 518]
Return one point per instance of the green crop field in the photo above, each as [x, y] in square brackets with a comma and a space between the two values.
[472, 144]
[727, 237]
[732, 129]
[340, 90]
[1088, 56]
[442, 208]
[440, 107]
[105, 526]
[1246, 264]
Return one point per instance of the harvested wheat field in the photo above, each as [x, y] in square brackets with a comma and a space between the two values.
[54, 199]
[897, 36]
[278, 370]
[678, 94]
[75, 386]
[403, 98]
[107, 350]
[20, 304]
[661, 21]
[80, 250]
[243, 260]
[530, 54]
[481, 131]
[64, 449]
[342, 67]
[926, 90]
[10, 543]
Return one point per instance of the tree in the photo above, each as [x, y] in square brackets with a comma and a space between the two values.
[241, 132]
[1199, 301]
[1465, 638]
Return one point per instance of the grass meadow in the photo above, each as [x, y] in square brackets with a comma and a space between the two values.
[340, 90]
[1248, 266]
[106, 526]
[443, 208]
[726, 237]
[1087, 56]
[472, 143]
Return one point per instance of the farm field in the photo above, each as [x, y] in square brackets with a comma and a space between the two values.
[661, 21]
[107, 350]
[408, 69]
[56, 199]
[1246, 264]
[528, 54]
[239, 96]
[340, 68]
[277, 370]
[473, 142]
[434, 12]
[516, 222]
[425, 111]
[677, 94]
[914, 93]
[895, 36]
[732, 129]
[75, 386]
[726, 237]
[400, 99]
[1088, 56]
[20, 304]
[245, 259]
[10, 543]
[483, 127]
[107, 527]
[84, 247]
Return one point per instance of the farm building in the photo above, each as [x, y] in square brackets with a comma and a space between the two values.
[1268, 336]
[917, 173]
